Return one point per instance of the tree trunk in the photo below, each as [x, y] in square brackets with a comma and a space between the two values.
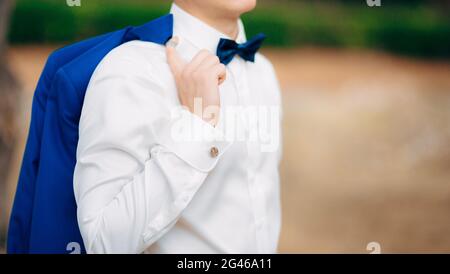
[8, 107]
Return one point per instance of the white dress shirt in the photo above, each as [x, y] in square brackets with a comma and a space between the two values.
[143, 184]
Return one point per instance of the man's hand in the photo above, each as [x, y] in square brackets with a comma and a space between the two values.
[197, 80]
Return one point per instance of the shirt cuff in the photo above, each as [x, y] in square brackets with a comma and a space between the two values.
[192, 139]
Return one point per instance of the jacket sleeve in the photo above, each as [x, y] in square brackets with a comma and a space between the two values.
[138, 166]
[19, 229]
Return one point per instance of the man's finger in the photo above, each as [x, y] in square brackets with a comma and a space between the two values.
[198, 59]
[209, 62]
[221, 72]
[176, 63]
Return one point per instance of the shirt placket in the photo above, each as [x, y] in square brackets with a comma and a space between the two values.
[239, 71]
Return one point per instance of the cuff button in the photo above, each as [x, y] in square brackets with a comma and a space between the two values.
[214, 152]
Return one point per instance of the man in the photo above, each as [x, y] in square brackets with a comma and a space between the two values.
[151, 177]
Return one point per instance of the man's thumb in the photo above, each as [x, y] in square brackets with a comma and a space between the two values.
[176, 63]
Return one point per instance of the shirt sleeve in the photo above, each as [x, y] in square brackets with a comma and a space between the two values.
[139, 161]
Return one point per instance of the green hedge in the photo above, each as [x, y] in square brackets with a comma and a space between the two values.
[413, 30]
[52, 21]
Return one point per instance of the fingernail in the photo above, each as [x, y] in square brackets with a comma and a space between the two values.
[173, 42]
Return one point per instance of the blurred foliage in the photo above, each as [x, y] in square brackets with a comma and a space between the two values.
[419, 28]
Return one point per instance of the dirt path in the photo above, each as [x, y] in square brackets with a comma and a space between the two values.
[366, 148]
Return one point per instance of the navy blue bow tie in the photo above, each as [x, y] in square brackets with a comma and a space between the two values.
[227, 49]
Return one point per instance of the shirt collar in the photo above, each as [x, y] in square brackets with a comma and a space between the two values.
[197, 32]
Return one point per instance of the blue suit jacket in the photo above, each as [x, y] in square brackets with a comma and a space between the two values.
[44, 215]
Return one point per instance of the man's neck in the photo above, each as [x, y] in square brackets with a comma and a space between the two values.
[227, 25]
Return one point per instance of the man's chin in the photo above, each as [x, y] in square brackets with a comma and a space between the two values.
[240, 7]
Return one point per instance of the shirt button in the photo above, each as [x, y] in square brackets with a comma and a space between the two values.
[214, 152]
